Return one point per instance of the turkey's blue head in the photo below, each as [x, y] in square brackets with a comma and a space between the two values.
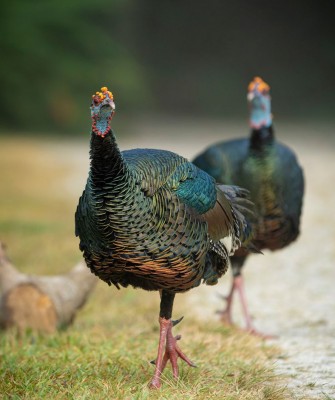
[259, 103]
[102, 110]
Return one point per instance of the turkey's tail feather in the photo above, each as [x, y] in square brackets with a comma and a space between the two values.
[230, 219]
[243, 210]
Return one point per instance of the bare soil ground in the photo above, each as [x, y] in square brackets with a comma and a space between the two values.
[291, 292]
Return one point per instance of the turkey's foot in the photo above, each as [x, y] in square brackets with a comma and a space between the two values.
[253, 331]
[225, 317]
[172, 352]
[238, 284]
[225, 314]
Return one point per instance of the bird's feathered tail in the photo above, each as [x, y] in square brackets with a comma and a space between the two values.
[232, 216]
[243, 211]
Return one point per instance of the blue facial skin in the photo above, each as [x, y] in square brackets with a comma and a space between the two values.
[103, 117]
[260, 109]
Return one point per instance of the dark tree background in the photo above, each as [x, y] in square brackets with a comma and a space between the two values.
[178, 57]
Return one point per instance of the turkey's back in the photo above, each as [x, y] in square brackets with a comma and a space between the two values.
[274, 179]
[137, 231]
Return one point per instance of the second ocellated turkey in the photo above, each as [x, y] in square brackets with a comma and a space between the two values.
[151, 219]
[272, 174]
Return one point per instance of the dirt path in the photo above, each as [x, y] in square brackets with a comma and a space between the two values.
[291, 292]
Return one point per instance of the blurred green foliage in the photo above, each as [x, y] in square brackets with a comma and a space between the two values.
[203, 55]
[162, 57]
[56, 53]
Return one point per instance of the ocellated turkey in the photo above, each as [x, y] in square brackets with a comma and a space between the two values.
[272, 174]
[151, 219]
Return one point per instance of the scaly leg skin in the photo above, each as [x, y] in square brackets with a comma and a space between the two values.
[167, 340]
[172, 352]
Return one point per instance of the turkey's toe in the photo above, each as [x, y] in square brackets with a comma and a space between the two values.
[225, 317]
[172, 352]
[255, 332]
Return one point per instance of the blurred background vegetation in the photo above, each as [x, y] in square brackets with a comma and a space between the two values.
[182, 58]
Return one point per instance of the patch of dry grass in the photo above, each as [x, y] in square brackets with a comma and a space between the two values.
[36, 222]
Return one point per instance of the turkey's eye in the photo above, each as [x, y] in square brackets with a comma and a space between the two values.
[96, 100]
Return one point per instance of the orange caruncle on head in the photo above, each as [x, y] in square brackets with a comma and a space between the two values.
[102, 111]
[98, 97]
[258, 84]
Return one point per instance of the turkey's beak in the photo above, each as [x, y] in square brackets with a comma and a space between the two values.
[251, 96]
[111, 104]
[108, 103]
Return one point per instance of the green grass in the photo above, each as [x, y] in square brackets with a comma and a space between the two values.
[106, 352]
[110, 360]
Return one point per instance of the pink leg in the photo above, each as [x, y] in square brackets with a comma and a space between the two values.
[238, 281]
[239, 285]
[172, 352]
[226, 314]
[160, 361]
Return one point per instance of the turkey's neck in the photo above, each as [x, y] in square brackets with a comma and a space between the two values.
[107, 163]
[261, 139]
[262, 170]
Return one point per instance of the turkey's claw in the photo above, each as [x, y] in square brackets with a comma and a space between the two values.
[176, 321]
[172, 352]
[222, 297]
